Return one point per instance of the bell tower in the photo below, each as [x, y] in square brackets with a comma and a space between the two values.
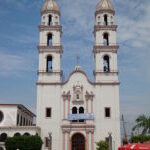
[105, 48]
[50, 48]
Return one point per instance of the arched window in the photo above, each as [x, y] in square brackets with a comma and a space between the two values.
[81, 111]
[3, 137]
[105, 20]
[49, 64]
[49, 20]
[1, 116]
[49, 39]
[74, 111]
[105, 39]
[106, 64]
[17, 134]
[1, 148]
[26, 134]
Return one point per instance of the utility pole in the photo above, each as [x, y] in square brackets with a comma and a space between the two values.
[125, 139]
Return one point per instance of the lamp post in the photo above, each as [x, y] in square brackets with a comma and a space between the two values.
[50, 141]
[110, 141]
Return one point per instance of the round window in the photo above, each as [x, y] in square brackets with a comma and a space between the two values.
[1, 116]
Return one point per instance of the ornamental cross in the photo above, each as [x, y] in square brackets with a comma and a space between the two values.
[78, 59]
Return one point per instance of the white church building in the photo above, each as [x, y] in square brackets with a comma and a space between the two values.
[76, 113]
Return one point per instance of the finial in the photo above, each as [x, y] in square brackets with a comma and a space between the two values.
[78, 60]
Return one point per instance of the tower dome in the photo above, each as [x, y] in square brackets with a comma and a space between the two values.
[50, 5]
[105, 5]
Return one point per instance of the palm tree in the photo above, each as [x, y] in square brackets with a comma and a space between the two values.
[142, 123]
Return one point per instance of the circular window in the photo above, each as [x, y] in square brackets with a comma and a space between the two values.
[1, 116]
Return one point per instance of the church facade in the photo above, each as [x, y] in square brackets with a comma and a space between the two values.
[77, 113]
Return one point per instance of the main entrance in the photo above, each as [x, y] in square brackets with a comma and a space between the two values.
[78, 142]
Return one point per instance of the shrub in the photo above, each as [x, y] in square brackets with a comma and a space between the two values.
[23, 143]
[102, 145]
[139, 138]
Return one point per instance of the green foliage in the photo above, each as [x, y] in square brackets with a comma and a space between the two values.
[142, 123]
[139, 138]
[102, 145]
[23, 143]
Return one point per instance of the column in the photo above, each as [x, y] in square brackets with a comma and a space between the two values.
[64, 110]
[87, 104]
[87, 140]
[63, 143]
[69, 104]
[68, 140]
[91, 104]
[92, 140]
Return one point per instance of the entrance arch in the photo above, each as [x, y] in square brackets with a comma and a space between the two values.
[78, 142]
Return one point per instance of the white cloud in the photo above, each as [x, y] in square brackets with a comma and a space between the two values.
[15, 64]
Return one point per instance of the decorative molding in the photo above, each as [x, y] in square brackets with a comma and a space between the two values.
[50, 28]
[50, 11]
[102, 48]
[102, 72]
[20, 128]
[79, 126]
[104, 11]
[78, 90]
[56, 49]
[89, 95]
[50, 73]
[78, 71]
[105, 28]
[108, 83]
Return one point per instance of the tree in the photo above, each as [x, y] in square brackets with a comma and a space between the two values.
[143, 124]
[24, 143]
[139, 138]
[102, 145]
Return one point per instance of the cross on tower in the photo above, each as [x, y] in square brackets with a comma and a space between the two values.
[78, 60]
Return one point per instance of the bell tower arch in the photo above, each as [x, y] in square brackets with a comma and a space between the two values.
[105, 48]
[50, 43]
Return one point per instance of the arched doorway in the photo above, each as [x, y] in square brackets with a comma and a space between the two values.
[78, 142]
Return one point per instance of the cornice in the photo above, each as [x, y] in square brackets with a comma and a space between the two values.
[50, 11]
[61, 84]
[102, 48]
[104, 11]
[106, 28]
[21, 127]
[56, 49]
[48, 83]
[83, 126]
[52, 72]
[108, 83]
[107, 73]
[50, 28]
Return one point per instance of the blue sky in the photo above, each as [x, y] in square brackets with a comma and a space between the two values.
[19, 38]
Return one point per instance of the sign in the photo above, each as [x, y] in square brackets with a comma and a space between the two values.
[85, 116]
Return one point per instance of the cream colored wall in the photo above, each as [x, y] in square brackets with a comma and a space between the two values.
[100, 21]
[50, 96]
[10, 116]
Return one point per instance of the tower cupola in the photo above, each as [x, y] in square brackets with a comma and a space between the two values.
[105, 6]
[50, 6]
